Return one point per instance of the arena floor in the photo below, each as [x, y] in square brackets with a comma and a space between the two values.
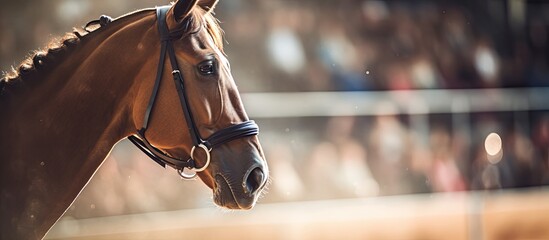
[510, 214]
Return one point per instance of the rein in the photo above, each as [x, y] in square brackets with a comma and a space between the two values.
[241, 130]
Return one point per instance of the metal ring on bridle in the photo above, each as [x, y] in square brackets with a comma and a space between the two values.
[207, 151]
[185, 176]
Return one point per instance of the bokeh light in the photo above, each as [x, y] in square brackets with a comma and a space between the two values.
[494, 148]
[492, 144]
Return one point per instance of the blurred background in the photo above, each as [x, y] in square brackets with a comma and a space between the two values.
[380, 119]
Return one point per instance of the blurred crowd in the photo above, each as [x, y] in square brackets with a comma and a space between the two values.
[387, 45]
[387, 155]
[346, 45]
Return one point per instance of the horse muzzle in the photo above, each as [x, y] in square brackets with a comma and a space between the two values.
[240, 193]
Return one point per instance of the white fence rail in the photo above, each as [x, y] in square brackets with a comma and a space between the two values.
[312, 104]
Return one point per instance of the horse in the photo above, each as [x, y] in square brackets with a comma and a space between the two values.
[64, 109]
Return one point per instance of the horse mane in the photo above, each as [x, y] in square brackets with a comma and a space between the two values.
[58, 47]
[41, 58]
[48, 56]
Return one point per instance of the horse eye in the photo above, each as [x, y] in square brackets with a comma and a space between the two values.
[207, 67]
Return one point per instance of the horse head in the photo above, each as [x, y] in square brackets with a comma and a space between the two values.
[202, 106]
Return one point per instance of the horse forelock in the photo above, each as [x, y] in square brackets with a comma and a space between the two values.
[198, 20]
[214, 29]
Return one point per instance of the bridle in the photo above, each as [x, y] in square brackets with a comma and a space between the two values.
[241, 130]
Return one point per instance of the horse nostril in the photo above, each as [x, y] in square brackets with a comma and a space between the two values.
[254, 180]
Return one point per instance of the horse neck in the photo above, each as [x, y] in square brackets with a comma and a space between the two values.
[59, 130]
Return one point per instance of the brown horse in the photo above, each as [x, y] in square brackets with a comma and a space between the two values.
[65, 108]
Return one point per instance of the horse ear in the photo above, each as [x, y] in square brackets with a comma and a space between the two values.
[182, 8]
[208, 5]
